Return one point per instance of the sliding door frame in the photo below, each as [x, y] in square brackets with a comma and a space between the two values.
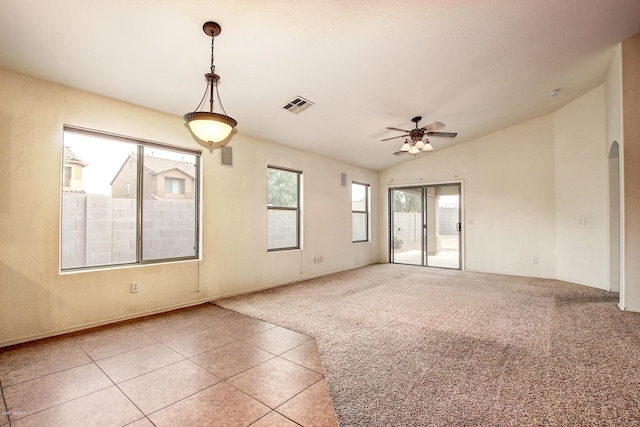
[423, 187]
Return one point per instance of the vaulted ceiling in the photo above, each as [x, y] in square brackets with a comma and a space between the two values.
[476, 65]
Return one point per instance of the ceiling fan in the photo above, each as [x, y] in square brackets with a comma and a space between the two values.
[414, 141]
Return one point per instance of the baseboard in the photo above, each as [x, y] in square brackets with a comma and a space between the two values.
[626, 308]
[82, 327]
[288, 282]
[77, 328]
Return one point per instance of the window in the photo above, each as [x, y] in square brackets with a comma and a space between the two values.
[118, 212]
[359, 212]
[67, 177]
[283, 209]
[173, 186]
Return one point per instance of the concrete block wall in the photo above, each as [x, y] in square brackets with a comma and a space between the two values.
[168, 228]
[282, 228]
[100, 230]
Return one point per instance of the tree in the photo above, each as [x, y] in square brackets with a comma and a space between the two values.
[282, 188]
[407, 201]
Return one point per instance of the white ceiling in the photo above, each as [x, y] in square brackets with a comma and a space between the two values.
[476, 65]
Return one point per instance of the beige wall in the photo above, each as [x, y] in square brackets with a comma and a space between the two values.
[631, 171]
[508, 201]
[39, 301]
[582, 191]
[526, 190]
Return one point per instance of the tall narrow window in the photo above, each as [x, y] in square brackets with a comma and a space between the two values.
[359, 212]
[283, 209]
[119, 211]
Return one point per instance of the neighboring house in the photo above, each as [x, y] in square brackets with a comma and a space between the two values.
[163, 179]
[72, 169]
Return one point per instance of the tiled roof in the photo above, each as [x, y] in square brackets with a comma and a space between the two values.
[157, 165]
[70, 157]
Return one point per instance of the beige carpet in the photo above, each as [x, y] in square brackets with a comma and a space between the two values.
[414, 346]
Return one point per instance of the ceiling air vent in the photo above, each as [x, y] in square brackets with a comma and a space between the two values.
[298, 104]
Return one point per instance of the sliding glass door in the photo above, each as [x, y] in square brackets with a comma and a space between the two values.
[407, 225]
[425, 227]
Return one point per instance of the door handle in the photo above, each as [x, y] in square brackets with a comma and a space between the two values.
[459, 226]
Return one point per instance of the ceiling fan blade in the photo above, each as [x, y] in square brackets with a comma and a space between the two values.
[433, 126]
[401, 130]
[399, 153]
[442, 134]
[394, 137]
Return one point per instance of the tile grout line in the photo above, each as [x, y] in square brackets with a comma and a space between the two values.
[273, 410]
[298, 393]
[48, 374]
[216, 328]
[66, 401]
[5, 411]
[121, 391]
[255, 398]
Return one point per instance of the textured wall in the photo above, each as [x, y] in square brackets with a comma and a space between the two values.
[39, 301]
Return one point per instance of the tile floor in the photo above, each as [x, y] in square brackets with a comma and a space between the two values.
[201, 366]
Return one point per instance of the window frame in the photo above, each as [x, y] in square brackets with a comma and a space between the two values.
[139, 144]
[366, 211]
[297, 209]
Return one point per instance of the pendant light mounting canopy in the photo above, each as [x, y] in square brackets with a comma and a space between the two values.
[212, 29]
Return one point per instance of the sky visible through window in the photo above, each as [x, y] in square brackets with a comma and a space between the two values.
[105, 156]
[358, 192]
[448, 201]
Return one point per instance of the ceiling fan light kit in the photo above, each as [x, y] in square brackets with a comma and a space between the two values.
[414, 142]
[208, 126]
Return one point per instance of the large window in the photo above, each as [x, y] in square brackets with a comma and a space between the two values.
[283, 209]
[359, 212]
[119, 203]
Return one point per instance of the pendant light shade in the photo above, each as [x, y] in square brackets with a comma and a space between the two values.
[208, 126]
[427, 146]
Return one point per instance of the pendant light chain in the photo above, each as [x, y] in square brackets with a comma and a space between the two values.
[213, 68]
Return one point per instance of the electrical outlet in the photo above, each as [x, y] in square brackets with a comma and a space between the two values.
[535, 260]
[135, 287]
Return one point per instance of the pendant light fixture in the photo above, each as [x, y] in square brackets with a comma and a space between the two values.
[206, 125]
